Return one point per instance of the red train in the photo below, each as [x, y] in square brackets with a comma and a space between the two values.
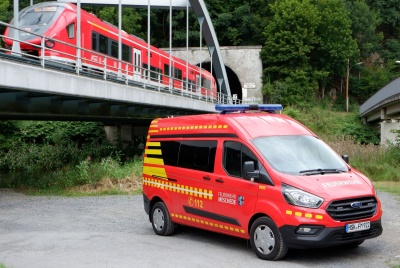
[99, 42]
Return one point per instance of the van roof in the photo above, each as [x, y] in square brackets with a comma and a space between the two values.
[243, 125]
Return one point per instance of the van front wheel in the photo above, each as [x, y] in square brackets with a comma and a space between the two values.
[160, 219]
[266, 240]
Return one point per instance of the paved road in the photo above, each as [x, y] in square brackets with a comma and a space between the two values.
[113, 231]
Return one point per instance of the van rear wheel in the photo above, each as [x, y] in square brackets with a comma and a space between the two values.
[266, 240]
[161, 220]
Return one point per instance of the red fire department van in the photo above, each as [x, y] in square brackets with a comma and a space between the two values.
[250, 172]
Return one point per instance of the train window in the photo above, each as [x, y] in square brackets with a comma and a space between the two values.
[191, 85]
[114, 49]
[197, 80]
[103, 44]
[38, 16]
[166, 69]
[155, 73]
[126, 53]
[71, 30]
[94, 41]
[178, 74]
[206, 82]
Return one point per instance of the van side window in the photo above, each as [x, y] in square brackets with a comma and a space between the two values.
[170, 151]
[197, 155]
[235, 154]
[232, 158]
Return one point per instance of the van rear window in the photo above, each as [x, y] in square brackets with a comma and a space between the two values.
[194, 154]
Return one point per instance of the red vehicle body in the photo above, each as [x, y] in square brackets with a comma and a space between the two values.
[255, 175]
[99, 42]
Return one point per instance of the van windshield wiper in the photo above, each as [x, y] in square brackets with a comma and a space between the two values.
[321, 171]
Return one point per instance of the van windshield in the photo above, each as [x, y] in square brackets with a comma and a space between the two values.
[299, 155]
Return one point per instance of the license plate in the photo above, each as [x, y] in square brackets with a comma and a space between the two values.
[359, 226]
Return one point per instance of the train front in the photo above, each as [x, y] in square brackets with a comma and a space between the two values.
[34, 21]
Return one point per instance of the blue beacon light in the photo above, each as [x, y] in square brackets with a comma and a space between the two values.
[227, 108]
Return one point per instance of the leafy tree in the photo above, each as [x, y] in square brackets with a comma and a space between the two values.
[239, 26]
[4, 5]
[373, 78]
[335, 43]
[290, 38]
[389, 24]
[389, 11]
[308, 41]
[131, 21]
[364, 23]
[7, 130]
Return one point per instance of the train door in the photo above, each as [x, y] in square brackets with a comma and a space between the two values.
[137, 61]
[198, 83]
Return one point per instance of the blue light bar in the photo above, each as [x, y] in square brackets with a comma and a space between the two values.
[226, 108]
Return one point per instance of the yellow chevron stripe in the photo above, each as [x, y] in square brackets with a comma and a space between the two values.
[150, 171]
[152, 160]
[153, 143]
[153, 151]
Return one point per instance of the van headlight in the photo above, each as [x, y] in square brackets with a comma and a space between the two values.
[300, 198]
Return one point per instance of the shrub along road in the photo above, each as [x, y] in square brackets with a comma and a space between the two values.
[114, 231]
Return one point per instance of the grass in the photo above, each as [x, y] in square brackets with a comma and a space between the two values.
[90, 179]
[388, 186]
[393, 264]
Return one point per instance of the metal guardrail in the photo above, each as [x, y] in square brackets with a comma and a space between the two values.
[72, 63]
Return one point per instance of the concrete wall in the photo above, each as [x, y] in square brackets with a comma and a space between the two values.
[244, 61]
[387, 137]
[129, 135]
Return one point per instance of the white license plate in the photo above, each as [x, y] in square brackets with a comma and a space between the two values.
[359, 226]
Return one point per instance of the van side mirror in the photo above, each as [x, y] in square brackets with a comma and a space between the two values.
[248, 171]
[260, 175]
[345, 157]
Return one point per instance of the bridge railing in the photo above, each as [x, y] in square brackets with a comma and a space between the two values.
[81, 61]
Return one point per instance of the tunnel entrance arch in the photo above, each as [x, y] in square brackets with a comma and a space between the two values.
[233, 79]
[244, 72]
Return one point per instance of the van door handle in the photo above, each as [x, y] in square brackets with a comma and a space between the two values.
[171, 179]
[206, 178]
[219, 180]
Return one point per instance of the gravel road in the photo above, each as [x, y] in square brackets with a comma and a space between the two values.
[114, 231]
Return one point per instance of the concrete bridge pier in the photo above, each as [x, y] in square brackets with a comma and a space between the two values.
[128, 135]
[387, 127]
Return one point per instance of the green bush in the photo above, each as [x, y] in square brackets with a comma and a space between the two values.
[36, 157]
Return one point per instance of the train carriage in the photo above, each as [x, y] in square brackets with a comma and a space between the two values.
[99, 51]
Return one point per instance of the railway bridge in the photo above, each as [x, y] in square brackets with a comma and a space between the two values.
[384, 107]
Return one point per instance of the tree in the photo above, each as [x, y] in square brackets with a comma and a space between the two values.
[389, 11]
[4, 5]
[364, 23]
[308, 42]
[131, 20]
[335, 44]
[290, 38]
